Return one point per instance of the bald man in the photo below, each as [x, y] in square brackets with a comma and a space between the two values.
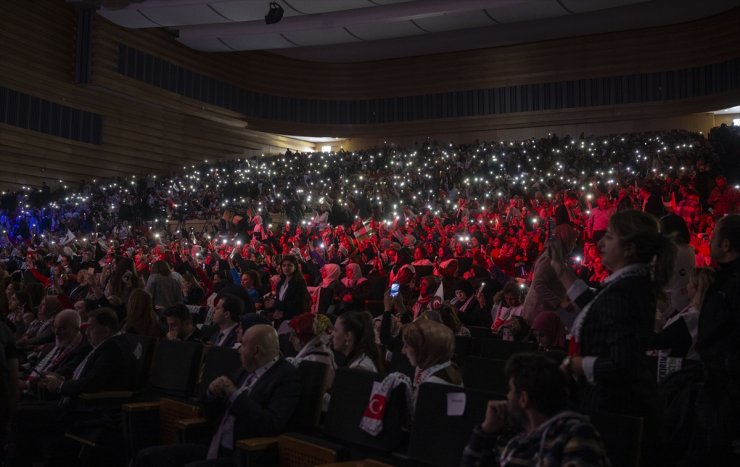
[261, 404]
[63, 355]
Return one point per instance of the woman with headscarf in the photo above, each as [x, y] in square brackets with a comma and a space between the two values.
[352, 290]
[549, 332]
[322, 296]
[310, 335]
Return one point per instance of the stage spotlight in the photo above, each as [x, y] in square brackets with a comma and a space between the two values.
[275, 14]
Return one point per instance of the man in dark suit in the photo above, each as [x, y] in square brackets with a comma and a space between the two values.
[226, 316]
[718, 344]
[261, 405]
[63, 355]
[109, 366]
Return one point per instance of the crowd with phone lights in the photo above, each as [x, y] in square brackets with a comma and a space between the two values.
[372, 240]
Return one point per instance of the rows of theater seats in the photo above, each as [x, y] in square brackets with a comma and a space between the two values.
[166, 406]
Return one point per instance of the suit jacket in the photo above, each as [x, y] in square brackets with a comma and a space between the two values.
[617, 330]
[295, 298]
[230, 340]
[269, 406]
[67, 365]
[111, 366]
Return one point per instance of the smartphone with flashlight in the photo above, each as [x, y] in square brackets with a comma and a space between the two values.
[395, 287]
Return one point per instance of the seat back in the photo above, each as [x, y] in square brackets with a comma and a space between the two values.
[622, 435]
[401, 364]
[350, 396]
[480, 332]
[175, 368]
[486, 374]
[218, 361]
[438, 439]
[502, 350]
[296, 452]
[463, 345]
[170, 411]
[306, 415]
[142, 348]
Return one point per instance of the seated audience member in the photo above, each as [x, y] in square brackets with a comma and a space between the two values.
[354, 338]
[429, 347]
[535, 409]
[44, 334]
[322, 296]
[262, 405]
[64, 355]
[180, 325]
[676, 294]
[140, 316]
[449, 317]
[251, 282]
[549, 332]
[226, 317]
[310, 336]
[678, 336]
[427, 287]
[352, 290]
[507, 304]
[109, 366]
[468, 308]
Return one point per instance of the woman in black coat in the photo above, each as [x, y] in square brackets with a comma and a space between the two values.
[291, 296]
[614, 325]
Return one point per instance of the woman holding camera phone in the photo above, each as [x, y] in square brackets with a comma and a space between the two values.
[614, 325]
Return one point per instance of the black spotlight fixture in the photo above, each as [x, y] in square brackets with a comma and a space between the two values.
[275, 14]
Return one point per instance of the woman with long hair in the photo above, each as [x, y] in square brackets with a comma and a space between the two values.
[354, 338]
[291, 293]
[123, 280]
[679, 333]
[140, 316]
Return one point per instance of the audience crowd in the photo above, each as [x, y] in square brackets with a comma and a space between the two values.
[598, 251]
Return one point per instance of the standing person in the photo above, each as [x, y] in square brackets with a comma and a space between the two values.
[292, 293]
[163, 287]
[598, 219]
[718, 345]
[614, 326]
[547, 293]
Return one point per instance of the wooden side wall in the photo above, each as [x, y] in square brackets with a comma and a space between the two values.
[147, 129]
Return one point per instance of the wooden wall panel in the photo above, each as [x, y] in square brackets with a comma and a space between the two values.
[147, 129]
[144, 130]
[703, 41]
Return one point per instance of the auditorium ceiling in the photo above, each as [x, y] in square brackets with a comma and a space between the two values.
[366, 30]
